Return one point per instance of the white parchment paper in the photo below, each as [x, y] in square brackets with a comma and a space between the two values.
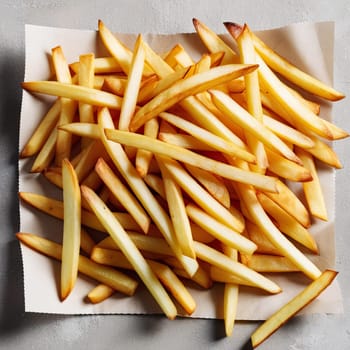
[310, 46]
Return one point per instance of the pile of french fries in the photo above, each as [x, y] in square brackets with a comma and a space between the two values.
[183, 166]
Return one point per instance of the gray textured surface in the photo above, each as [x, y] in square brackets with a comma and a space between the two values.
[37, 331]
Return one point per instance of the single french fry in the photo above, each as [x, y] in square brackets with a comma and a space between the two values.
[71, 229]
[231, 291]
[46, 154]
[281, 316]
[177, 210]
[168, 150]
[286, 168]
[82, 129]
[86, 77]
[131, 252]
[220, 231]
[268, 263]
[104, 274]
[123, 194]
[174, 285]
[43, 131]
[312, 189]
[75, 92]
[184, 141]
[143, 157]
[102, 65]
[115, 85]
[132, 86]
[100, 293]
[187, 87]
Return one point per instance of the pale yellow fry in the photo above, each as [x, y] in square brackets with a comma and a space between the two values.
[286, 168]
[174, 285]
[71, 229]
[248, 195]
[288, 200]
[132, 86]
[281, 316]
[142, 192]
[220, 231]
[158, 65]
[86, 242]
[86, 77]
[82, 129]
[231, 291]
[114, 85]
[42, 131]
[214, 141]
[75, 92]
[252, 93]
[143, 158]
[100, 293]
[200, 195]
[170, 56]
[122, 55]
[214, 184]
[131, 252]
[46, 154]
[64, 139]
[268, 263]
[232, 109]
[123, 194]
[68, 106]
[219, 275]
[102, 65]
[313, 189]
[214, 43]
[184, 141]
[177, 211]
[288, 224]
[104, 274]
[288, 133]
[155, 182]
[186, 156]
[293, 74]
[187, 87]
[214, 257]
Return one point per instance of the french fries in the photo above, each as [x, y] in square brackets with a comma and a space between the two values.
[186, 165]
